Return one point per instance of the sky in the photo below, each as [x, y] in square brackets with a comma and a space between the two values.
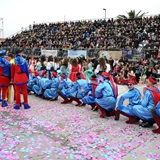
[22, 13]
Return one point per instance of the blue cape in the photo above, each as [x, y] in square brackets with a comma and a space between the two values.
[6, 66]
[20, 61]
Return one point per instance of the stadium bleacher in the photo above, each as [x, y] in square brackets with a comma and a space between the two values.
[111, 34]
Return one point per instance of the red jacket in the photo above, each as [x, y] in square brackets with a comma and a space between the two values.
[4, 80]
[18, 77]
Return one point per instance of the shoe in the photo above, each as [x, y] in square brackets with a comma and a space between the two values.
[113, 112]
[117, 116]
[4, 103]
[79, 103]
[137, 119]
[156, 131]
[103, 111]
[146, 124]
[26, 106]
[131, 120]
[157, 119]
[108, 113]
[65, 100]
[16, 107]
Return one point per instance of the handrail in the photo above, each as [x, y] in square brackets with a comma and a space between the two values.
[18, 32]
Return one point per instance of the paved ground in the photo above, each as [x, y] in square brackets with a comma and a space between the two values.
[51, 131]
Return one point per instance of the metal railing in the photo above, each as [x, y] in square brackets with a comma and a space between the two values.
[36, 51]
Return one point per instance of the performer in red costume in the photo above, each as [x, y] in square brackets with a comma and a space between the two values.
[20, 76]
[5, 76]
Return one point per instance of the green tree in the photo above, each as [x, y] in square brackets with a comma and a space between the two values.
[132, 14]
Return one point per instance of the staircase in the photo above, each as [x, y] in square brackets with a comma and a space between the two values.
[139, 52]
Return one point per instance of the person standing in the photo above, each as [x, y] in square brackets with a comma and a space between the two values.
[11, 60]
[5, 76]
[20, 77]
[101, 67]
[73, 69]
[89, 70]
[32, 64]
[64, 68]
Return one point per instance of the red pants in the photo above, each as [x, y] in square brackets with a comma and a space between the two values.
[14, 98]
[4, 91]
[24, 92]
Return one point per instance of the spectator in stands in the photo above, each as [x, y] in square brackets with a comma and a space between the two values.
[87, 34]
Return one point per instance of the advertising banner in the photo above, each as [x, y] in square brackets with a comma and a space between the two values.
[113, 54]
[49, 53]
[77, 53]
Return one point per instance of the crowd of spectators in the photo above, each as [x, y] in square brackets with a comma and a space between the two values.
[103, 34]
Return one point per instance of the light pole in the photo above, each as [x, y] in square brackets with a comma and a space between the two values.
[64, 18]
[104, 13]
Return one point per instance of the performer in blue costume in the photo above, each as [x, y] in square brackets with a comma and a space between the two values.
[65, 84]
[5, 77]
[91, 88]
[156, 116]
[44, 83]
[106, 95]
[36, 81]
[143, 111]
[51, 92]
[75, 92]
[134, 96]
[32, 80]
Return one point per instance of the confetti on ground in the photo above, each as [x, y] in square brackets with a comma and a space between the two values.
[52, 131]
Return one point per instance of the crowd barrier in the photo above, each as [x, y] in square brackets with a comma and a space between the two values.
[97, 52]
